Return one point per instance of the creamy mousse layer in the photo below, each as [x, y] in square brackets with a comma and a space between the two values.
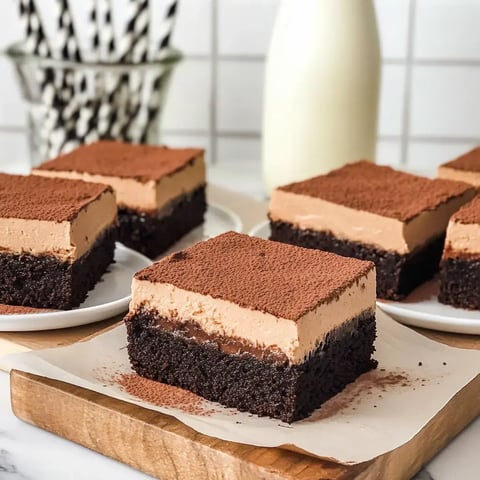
[391, 234]
[449, 173]
[463, 233]
[258, 330]
[144, 195]
[462, 239]
[68, 239]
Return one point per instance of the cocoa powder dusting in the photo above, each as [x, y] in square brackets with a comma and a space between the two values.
[272, 277]
[380, 190]
[469, 213]
[371, 383]
[143, 163]
[162, 395]
[50, 199]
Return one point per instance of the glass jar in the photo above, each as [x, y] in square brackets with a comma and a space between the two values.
[69, 103]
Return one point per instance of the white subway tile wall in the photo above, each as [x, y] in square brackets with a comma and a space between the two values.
[430, 100]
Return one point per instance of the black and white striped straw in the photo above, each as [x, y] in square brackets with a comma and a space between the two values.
[166, 28]
[69, 49]
[137, 23]
[143, 116]
[37, 44]
[36, 40]
[106, 31]
[158, 84]
[135, 48]
[94, 30]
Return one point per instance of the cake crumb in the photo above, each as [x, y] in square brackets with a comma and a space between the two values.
[178, 256]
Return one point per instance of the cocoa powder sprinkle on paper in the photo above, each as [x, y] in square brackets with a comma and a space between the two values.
[162, 395]
[353, 394]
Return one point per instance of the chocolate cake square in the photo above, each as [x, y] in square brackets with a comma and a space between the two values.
[160, 191]
[57, 238]
[460, 265]
[370, 212]
[465, 168]
[260, 326]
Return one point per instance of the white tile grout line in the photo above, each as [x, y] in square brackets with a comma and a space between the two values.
[418, 62]
[407, 94]
[253, 135]
[213, 81]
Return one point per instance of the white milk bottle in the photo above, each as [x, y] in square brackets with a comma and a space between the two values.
[321, 89]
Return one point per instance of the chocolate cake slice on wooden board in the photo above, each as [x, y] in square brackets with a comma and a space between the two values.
[370, 212]
[256, 325]
[160, 191]
[460, 266]
[57, 238]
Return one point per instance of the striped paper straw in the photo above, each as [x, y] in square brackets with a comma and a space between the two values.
[70, 49]
[135, 48]
[137, 26]
[75, 89]
[106, 30]
[166, 28]
[37, 44]
[155, 98]
[107, 54]
[94, 30]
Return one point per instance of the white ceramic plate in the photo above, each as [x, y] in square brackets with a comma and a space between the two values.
[111, 295]
[421, 308]
[218, 220]
[262, 230]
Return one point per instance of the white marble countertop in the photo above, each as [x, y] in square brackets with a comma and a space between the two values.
[28, 453]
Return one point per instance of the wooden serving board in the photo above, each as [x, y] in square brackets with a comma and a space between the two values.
[250, 210]
[163, 447]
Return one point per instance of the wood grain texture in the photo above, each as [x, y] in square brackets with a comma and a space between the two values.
[165, 448]
[453, 339]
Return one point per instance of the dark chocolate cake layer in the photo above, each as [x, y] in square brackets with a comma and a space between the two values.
[244, 382]
[460, 282]
[43, 281]
[397, 275]
[153, 234]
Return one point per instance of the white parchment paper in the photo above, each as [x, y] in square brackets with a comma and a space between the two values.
[415, 378]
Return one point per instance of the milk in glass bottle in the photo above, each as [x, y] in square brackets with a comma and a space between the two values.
[321, 89]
